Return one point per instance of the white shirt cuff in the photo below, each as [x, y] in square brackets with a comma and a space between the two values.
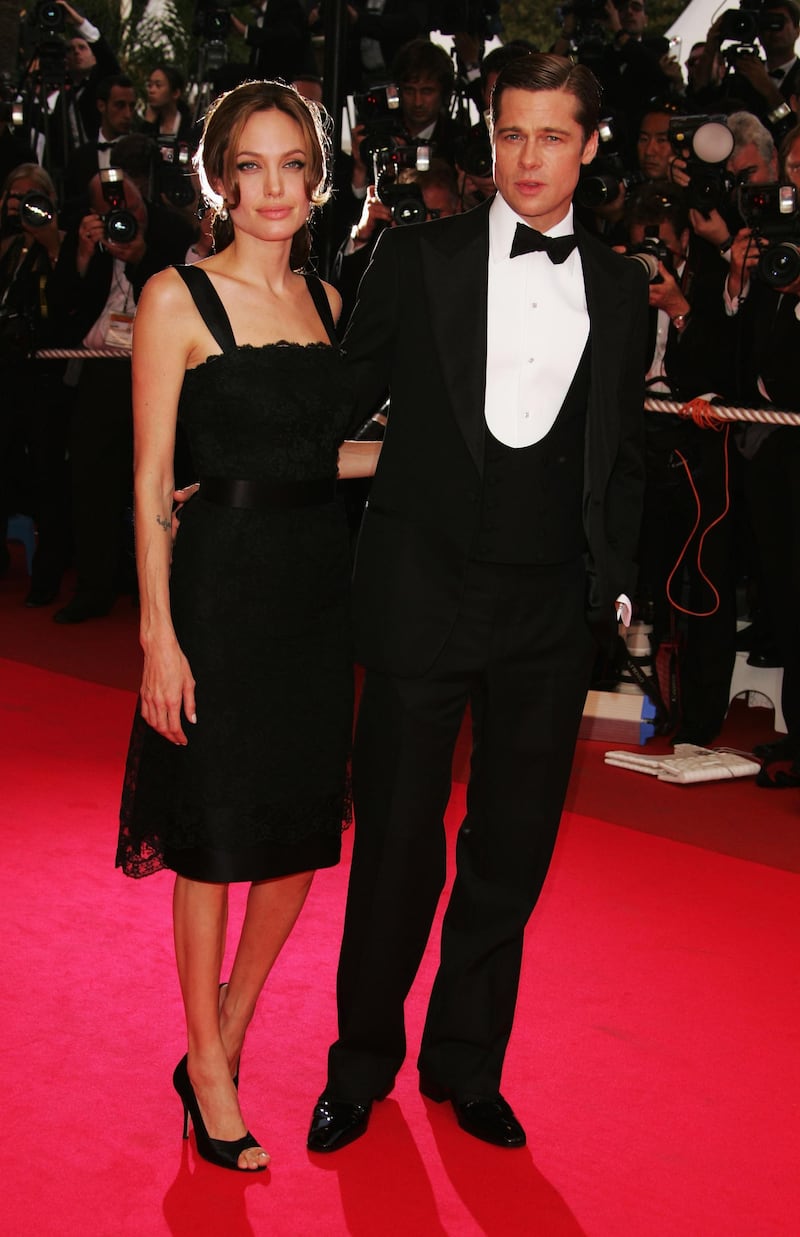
[87, 31]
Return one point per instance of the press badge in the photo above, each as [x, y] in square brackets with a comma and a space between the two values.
[120, 331]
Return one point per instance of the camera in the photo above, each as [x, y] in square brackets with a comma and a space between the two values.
[473, 151]
[649, 253]
[119, 223]
[34, 209]
[770, 211]
[48, 18]
[43, 44]
[405, 201]
[378, 110]
[174, 172]
[211, 25]
[380, 105]
[590, 30]
[743, 25]
[212, 20]
[602, 180]
[706, 143]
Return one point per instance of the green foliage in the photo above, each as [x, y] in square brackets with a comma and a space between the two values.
[538, 20]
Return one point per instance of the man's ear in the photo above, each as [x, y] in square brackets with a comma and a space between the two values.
[590, 149]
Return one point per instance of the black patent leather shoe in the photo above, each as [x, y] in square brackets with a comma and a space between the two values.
[336, 1123]
[491, 1119]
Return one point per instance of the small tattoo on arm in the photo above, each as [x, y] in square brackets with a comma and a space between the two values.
[164, 523]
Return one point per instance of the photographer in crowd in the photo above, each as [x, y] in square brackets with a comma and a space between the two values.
[631, 66]
[762, 297]
[413, 197]
[106, 260]
[424, 75]
[116, 117]
[89, 60]
[686, 552]
[767, 88]
[166, 114]
[36, 405]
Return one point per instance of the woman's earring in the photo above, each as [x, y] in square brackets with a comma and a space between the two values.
[222, 213]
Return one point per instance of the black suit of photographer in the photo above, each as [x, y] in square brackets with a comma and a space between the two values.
[36, 412]
[101, 447]
[766, 345]
[686, 468]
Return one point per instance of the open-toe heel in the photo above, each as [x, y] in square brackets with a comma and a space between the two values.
[215, 1150]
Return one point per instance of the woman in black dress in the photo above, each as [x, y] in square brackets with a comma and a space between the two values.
[237, 766]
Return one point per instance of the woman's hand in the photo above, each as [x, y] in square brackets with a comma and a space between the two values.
[167, 685]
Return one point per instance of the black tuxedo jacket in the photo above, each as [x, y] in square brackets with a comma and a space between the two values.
[419, 332]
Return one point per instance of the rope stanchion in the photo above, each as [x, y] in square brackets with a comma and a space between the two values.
[705, 414]
[78, 354]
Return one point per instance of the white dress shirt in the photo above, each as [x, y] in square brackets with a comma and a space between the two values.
[538, 325]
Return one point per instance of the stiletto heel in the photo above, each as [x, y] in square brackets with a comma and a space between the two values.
[215, 1150]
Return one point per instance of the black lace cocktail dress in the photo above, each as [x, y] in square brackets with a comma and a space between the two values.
[259, 595]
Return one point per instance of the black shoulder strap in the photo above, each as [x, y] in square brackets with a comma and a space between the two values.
[209, 305]
[320, 298]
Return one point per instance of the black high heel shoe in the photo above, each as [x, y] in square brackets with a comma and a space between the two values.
[215, 1150]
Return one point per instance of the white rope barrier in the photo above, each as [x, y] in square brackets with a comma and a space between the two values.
[718, 412]
[722, 412]
[73, 354]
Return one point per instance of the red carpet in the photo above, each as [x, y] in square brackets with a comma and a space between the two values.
[655, 1062]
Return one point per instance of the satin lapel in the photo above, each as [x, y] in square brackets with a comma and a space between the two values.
[608, 306]
[455, 271]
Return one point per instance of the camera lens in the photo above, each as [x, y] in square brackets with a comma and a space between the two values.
[779, 265]
[409, 210]
[594, 191]
[650, 263]
[120, 226]
[36, 210]
[50, 16]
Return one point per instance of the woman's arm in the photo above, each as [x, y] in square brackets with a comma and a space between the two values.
[161, 347]
[358, 459]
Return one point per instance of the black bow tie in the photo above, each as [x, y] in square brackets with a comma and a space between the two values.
[528, 240]
[778, 74]
[104, 145]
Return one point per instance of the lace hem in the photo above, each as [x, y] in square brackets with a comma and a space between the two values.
[147, 828]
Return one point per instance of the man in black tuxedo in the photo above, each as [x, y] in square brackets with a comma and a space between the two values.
[500, 527]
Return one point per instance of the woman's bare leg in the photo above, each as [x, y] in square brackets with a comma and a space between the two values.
[200, 918]
[272, 909]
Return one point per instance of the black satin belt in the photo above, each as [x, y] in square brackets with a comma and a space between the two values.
[266, 495]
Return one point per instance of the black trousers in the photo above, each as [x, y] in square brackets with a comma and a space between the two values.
[101, 450]
[772, 489]
[520, 653]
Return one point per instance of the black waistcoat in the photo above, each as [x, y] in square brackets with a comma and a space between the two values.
[532, 499]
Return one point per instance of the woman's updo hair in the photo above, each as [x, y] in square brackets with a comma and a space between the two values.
[215, 160]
